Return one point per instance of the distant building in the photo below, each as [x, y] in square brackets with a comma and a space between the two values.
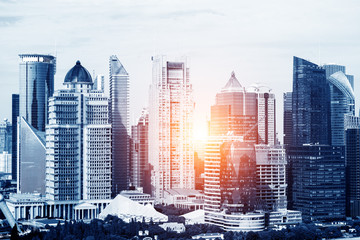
[140, 169]
[5, 136]
[78, 141]
[173, 227]
[5, 162]
[318, 181]
[99, 83]
[171, 126]
[119, 117]
[138, 196]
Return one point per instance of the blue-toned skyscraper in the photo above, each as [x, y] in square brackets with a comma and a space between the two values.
[310, 104]
[36, 74]
[119, 116]
[342, 101]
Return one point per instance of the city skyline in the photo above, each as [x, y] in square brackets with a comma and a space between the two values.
[243, 37]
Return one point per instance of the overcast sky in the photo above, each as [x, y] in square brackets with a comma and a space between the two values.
[256, 39]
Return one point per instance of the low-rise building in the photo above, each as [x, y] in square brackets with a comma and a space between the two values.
[138, 196]
[184, 198]
[173, 226]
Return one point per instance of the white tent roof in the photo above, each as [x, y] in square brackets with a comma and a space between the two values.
[197, 216]
[127, 209]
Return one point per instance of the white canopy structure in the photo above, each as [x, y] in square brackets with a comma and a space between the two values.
[194, 217]
[127, 209]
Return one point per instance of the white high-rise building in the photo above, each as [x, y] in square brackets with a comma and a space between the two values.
[78, 141]
[171, 109]
[99, 83]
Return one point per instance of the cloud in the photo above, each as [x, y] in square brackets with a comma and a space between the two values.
[8, 21]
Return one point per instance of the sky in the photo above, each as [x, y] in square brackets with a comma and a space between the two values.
[256, 39]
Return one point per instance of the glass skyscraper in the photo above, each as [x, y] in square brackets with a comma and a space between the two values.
[36, 74]
[310, 104]
[119, 116]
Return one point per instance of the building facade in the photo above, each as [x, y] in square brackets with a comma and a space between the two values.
[31, 155]
[318, 179]
[271, 177]
[119, 116]
[78, 141]
[171, 126]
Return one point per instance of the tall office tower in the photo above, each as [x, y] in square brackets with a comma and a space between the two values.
[5, 162]
[78, 141]
[342, 102]
[14, 116]
[288, 122]
[230, 184]
[249, 113]
[170, 126]
[310, 104]
[232, 113]
[140, 172]
[333, 68]
[31, 155]
[318, 181]
[271, 177]
[5, 136]
[99, 83]
[119, 116]
[36, 86]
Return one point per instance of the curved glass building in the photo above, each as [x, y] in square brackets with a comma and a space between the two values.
[36, 74]
[342, 102]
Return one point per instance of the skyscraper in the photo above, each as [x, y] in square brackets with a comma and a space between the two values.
[140, 171]
[170, 126]
[119, 116]
[244, 112]
[310, 104]
[36, 74]
[14, 116]
[342, 102]
[78, 141]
